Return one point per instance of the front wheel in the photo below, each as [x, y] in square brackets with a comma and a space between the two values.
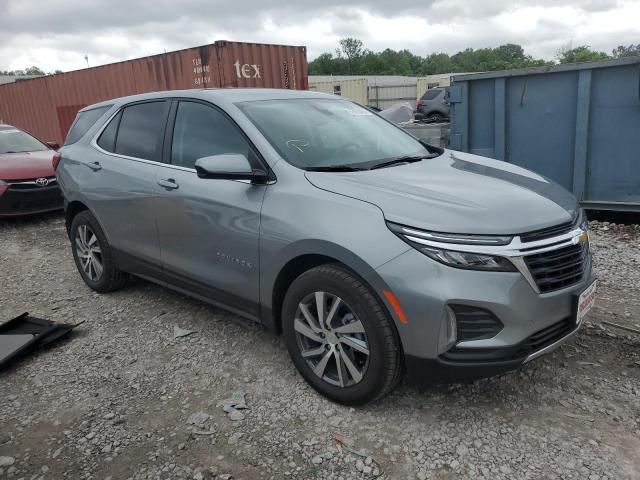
[340, 337]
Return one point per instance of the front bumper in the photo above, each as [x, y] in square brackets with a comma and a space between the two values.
[24, 199]
[448, 368]
[532, 323]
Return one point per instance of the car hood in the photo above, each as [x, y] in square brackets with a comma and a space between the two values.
[27, 165]
[457, 193]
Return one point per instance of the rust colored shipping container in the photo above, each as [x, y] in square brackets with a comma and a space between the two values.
[47, 106]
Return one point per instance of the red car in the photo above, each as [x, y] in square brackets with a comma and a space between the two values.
[27, 177]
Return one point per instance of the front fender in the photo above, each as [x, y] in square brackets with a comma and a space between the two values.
[321, 223]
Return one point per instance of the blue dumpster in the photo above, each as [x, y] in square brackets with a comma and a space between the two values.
[577, 124]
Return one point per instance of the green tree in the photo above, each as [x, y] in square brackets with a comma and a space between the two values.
[582, 53]
[626, 51]
[353, 58]
[511, 53]
[437, 63]
[33, 70]
[322, 65]
[353, 50]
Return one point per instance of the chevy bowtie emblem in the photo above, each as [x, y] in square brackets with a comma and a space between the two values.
[582, 238]
[42, 182]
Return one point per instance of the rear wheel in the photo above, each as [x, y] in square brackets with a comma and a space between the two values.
[339, 336]
[93, 255]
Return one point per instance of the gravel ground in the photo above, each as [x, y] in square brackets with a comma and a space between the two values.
[123, 398]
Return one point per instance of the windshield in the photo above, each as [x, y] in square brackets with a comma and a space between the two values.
[313, 133]
[13, 140]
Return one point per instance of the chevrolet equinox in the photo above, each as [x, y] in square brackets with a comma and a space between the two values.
[374, 254]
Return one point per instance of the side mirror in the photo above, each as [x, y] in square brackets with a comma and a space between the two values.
[53, 146]
[229, 166]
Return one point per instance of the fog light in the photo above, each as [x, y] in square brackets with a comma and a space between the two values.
[451, 328]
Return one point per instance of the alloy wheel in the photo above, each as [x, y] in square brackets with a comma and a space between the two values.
[89, 252]
[331, 338]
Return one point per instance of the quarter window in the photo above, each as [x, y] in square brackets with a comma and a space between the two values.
[107, 140]
[141, 129]
[431, 94]
[202, 131]
[83, 122]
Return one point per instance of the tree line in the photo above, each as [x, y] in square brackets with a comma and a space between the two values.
[29, 71]
[352, 58]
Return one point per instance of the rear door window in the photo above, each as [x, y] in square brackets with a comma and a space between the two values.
[141, 130]
[83, 122]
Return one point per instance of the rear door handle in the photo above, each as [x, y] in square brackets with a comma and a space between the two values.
[95, 166]
[168, 183]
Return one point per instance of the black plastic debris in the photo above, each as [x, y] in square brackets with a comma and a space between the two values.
[25, 333]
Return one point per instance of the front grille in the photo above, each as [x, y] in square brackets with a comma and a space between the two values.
[30, 184]
[539, 340]
[25, 200]
[559, 268]
[548, 232]
[475, 323]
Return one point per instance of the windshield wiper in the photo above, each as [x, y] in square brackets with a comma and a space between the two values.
[334, 168]
[404, 159]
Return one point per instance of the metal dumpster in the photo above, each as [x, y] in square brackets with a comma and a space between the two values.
[577, 124]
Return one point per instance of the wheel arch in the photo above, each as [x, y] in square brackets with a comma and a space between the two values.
[301, 258]
[73, 208]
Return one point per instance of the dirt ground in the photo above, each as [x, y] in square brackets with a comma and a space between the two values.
[123, 398]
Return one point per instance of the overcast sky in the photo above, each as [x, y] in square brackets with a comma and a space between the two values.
[57, 34]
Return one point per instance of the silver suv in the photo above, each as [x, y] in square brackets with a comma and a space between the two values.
[434, 106]
[372, 253]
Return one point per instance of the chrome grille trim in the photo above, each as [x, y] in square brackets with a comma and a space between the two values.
[515, 248]
[516, 251]
[52, 181]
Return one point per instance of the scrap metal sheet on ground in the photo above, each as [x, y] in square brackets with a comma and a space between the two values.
[25, 333]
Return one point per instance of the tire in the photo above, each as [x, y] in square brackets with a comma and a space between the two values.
[435, 118]
[85, 235]
[360, 322]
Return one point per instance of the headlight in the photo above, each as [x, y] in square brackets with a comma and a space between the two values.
[470, 261]
[423, 241]
[584, 221]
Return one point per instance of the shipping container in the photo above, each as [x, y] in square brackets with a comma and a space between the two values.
[46, 106]
[577, 124]
[355, 89]
[385, 96]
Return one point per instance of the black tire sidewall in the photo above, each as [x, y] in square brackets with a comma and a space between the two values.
[374, 378]
[86, 218]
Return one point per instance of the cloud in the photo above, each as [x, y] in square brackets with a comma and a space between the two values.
[58, 33]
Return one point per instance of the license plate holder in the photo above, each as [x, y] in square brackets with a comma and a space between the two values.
[585, 302]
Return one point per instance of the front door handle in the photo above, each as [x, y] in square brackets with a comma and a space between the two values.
[168, 183]
[95, 166]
